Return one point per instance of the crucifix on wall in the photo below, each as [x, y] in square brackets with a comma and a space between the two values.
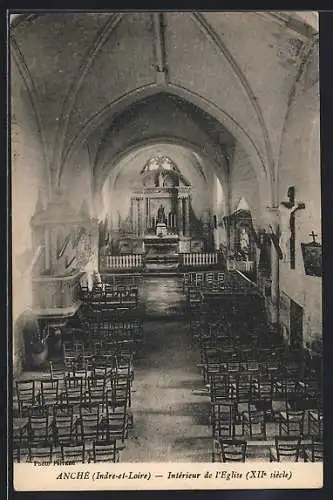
[287, 226]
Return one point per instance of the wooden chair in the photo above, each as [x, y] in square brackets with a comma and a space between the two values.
[64, 424]
[291, 422]
[315, 422]
[27, 394]
[286, 449]
[96, 394]
[20, 431]
[116, 419]
[251, 420]
[38, 426]
[118, 398]
[16, 451]
[42, 453]
[56, 373]
[73, 452]
[229, 450]
[89, 422]
[315, 451]
[223, 418]
[104, 451]
[285, 387]
[49, 392]
[243, 388]
[75, 390]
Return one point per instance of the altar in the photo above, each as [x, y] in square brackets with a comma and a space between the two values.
[161, 221]
[161, 230]
[161, 249]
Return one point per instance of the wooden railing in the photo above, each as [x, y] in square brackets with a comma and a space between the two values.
[121, 262]
[197, 259]
[51, 293]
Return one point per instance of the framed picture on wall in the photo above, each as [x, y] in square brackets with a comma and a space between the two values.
[312, 258]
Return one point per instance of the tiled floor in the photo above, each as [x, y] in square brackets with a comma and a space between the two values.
[161, 296]
[170, 414]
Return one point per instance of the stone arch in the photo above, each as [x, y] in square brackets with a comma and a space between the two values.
[262, 169]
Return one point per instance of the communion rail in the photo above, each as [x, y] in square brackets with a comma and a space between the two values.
[121, 262]
[198, 259]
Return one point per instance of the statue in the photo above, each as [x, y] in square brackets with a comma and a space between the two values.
[244, 241]
[161, 214]
[160, 179]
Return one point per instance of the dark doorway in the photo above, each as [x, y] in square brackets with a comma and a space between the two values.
[296, 325]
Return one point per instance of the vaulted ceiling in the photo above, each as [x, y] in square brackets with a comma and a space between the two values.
[84, 74]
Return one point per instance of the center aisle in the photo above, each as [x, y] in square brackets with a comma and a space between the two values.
[170, 414]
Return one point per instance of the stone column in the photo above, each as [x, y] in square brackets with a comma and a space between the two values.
[142, 216]
[180, 217]
[137, 216]
[48, 249]
[132, 216]
[187, 216]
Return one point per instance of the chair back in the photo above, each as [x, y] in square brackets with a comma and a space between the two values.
[233, 450]
[105, 451]
[73, 452]
[224, 418]
[317, 449]
[25, 391]
[287, 448]
[42, 453]
[38, 424]
[49, 391]
[63, 411]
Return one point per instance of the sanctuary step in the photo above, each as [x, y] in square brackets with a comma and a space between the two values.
[161, 253]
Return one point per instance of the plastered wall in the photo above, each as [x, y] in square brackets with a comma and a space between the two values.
[300, 167]
[29, 181]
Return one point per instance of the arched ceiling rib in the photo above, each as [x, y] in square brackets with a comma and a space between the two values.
[179, 154]
[29, 85]
[78, 64]
[69, 102]
[210, 32]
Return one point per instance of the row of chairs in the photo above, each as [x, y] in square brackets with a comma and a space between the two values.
[68, 422]
[75, 384]
[75, 416]
[69, 453]
[86, 355]
[285, 449]
[231, 281]
[205, 277]
[107, 296]
[258, 390]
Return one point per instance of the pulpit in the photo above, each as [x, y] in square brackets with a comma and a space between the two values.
[69, 240]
